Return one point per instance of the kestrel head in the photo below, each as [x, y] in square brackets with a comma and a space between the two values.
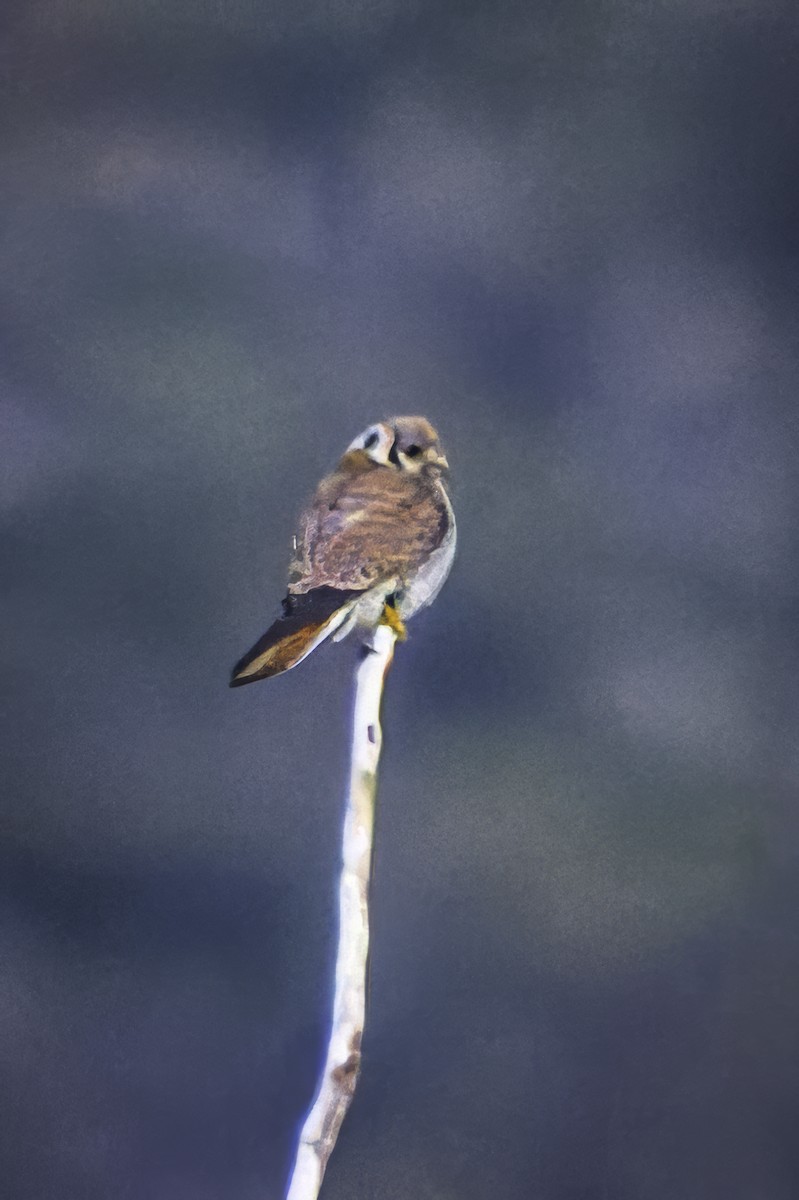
[405, 443]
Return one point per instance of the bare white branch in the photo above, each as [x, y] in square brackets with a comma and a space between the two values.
[342, 1064]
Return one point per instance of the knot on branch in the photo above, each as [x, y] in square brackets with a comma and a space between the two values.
[346, 1074]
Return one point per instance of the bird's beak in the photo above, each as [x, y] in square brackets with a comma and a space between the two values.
[441, 461]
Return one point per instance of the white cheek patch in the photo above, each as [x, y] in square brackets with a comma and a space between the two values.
[412, 466]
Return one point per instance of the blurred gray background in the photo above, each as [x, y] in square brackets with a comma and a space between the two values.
[234, 234]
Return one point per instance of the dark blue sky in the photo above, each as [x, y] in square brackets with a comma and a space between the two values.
[232, 236]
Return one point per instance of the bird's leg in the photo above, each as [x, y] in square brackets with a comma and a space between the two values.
[391, 617]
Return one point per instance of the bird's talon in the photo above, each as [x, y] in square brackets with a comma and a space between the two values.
[391, 617]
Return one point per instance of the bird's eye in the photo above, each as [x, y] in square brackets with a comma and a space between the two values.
[412, 451]
[372, 440]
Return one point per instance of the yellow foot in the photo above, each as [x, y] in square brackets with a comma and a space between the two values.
[391, 617]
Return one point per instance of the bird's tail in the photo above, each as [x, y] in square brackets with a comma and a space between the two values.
[307, 620]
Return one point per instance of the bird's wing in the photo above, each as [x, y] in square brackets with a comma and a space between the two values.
[364, 525]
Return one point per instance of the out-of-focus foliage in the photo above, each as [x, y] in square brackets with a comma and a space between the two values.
[232, 236]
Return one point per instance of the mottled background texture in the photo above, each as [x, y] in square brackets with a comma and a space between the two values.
[232, 235]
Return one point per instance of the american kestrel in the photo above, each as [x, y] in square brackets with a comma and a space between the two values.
[375, 544]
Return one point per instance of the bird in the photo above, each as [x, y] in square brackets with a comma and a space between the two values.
[374, 545]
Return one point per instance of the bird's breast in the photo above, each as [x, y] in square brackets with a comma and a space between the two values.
[426, 582]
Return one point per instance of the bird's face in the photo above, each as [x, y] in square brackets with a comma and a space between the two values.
[407, 444]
